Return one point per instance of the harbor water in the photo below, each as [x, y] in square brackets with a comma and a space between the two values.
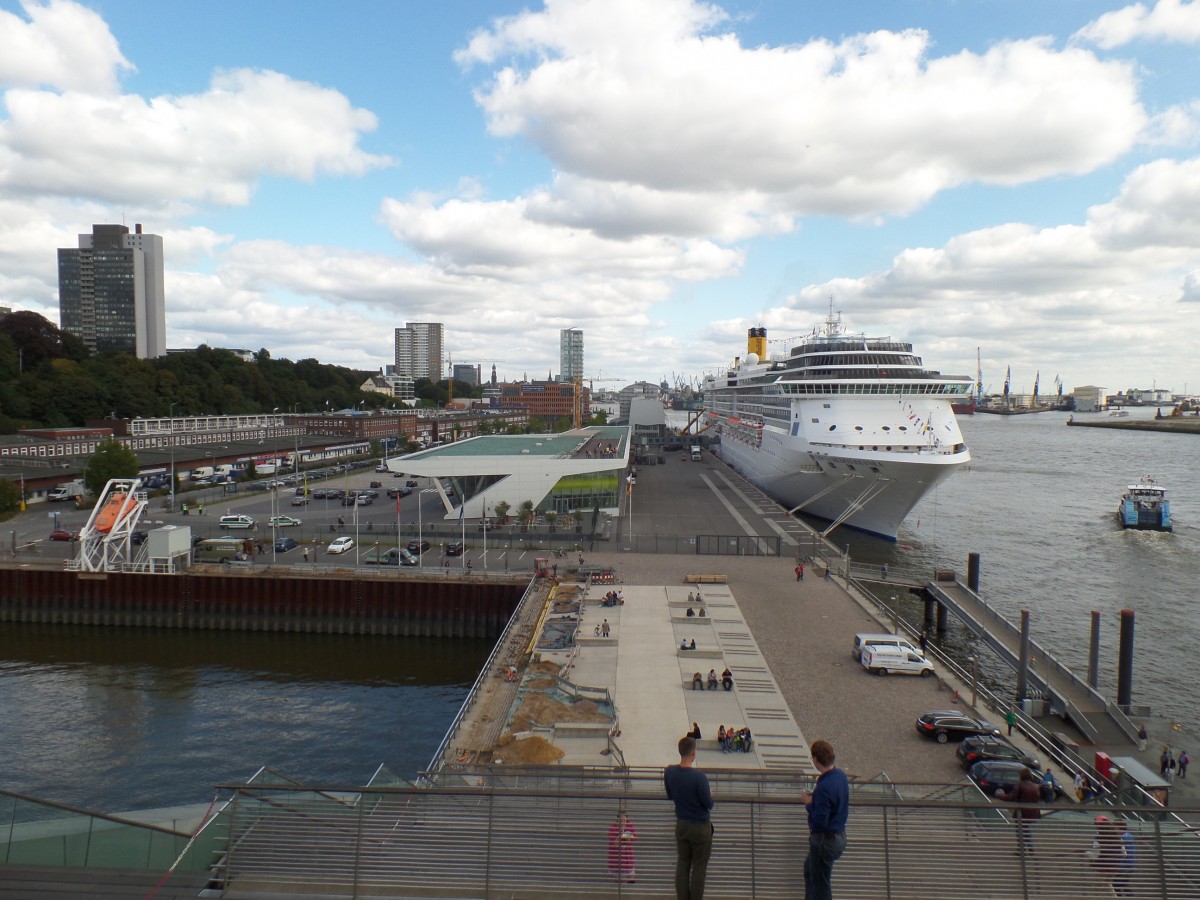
[1038, 502]
[115, 719]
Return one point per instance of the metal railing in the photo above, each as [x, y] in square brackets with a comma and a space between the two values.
[473, 843]
[43, 833]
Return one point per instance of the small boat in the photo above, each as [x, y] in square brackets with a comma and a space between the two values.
[1118, 413]
[1144, 506]
[114, 510]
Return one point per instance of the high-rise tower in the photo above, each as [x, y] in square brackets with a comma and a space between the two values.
[110, 291]
[570, 354]
[419, 350]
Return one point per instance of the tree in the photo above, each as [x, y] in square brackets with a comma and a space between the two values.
[599, 417]
[537, 425]
[112, 459]
[502, 509]
[10, 496]
[526, 514]
[561, 424]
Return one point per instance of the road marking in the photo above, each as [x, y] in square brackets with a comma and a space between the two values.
[779, 529]
[746, 527]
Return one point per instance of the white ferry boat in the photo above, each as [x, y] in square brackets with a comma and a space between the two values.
[1144, 506]
[844, 427]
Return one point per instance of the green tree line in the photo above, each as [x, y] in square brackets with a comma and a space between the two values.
[49, 378]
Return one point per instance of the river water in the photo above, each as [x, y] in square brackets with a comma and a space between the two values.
[1038, 502]
[115, 719]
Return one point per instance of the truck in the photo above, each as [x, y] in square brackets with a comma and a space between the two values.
[68, 490]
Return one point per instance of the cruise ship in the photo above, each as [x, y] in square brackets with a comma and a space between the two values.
[848, 428]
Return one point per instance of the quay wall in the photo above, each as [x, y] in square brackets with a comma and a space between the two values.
[260, 602]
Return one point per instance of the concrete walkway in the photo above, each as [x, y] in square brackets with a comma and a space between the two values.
[650, 677]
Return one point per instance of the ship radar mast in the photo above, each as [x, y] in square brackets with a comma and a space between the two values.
[833, 322]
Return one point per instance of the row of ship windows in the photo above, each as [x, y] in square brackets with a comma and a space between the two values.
[795, 388]
[861, 359]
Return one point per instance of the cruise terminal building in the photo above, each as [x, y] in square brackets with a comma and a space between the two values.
[576, 471]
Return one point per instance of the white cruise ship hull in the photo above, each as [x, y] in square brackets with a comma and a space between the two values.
[870, 489]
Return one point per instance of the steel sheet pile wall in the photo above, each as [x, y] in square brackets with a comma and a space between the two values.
[324, 604]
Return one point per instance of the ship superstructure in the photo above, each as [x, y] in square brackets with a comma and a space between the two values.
[849, 428]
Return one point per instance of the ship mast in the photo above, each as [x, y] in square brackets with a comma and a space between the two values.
[978, 378]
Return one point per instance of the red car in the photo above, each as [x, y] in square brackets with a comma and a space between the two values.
[62, 534]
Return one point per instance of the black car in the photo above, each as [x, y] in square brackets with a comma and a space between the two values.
[952, 725]
[988, 746]
[454, 548]
[284, 544]
[399, 492]
[417, 547]
[992, 775]
[410, 483]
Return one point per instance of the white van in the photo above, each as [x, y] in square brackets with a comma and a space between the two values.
[202, 472]
[884, 659]
[695, 453]
[862, 641]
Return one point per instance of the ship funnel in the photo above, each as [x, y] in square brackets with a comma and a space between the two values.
[756, 342]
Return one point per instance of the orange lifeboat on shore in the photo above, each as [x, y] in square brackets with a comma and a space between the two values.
[114, 510]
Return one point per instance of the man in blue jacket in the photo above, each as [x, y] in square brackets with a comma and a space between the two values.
[828, 807]
[687, 786]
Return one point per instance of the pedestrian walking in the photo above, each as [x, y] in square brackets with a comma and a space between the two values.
[799, 571]
[1184, 762]
[1143, 737]
[469, 567]
[828, 808]
[581, 559]
[924, 639]
[1010, 719]
[687, 787]
[1026, 793]
[604, 628]
[621, 838]
[306, 554]
[883, 571]
[1164, 761]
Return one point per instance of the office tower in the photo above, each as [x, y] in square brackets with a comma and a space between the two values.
[468, 374]
[419, 350]
[570, 354]
[110, 291]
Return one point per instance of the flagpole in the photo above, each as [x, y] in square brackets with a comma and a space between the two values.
[483, 522]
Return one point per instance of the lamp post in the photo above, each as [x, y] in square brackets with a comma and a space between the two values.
[171, 438]
[275, 490]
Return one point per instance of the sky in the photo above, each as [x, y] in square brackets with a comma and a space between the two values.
[1007, 180]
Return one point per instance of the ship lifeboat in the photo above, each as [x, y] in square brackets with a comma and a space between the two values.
[114, 510]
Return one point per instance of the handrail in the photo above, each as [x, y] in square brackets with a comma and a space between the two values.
[484, 673]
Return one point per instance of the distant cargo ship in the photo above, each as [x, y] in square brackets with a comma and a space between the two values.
[844, 427]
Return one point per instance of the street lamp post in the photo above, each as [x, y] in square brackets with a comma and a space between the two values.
[275, 493]
[171, 438]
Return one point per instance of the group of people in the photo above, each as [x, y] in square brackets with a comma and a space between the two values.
[691, 612]
[612, 598]
[827, 807]
[685, 644]
[1169, 765]
[699, 682]
[740, 741]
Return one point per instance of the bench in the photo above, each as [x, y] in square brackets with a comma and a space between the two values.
[700, 653]
[706, 579]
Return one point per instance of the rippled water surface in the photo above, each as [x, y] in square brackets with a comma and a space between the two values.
[1038, 503]
[116, 719]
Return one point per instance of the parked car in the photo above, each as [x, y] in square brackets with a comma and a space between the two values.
[454, 548]
[410, 483]
[417, 547]
[952, 725]
[284, 544]
[376, 484]
[365, 500]
[340, 545]
[320, 494]
[486, 525]
[989, 746]
[63, 534]
[237, 522]
[283, 522]
[407, 559]
[380, 557]
[992, 775]
[299, 501]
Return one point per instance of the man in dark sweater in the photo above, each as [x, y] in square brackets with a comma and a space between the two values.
[688, 788]
[828, 808]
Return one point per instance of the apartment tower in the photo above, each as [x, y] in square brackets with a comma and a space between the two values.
[110, 291]
[419, 350]
[570, 354]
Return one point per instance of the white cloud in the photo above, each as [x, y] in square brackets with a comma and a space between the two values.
[61, 45]
[872, 124]
[1169, 20]
[211, 147]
